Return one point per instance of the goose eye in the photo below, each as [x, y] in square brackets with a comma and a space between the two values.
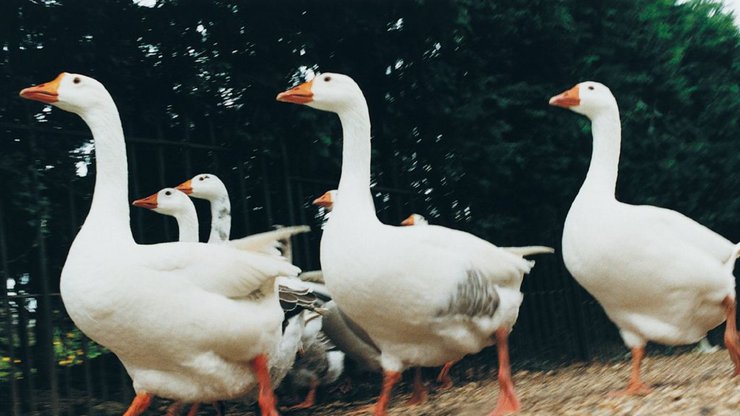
[201, 178]
[327, 79]
[591, 87]
[77, 80]
[168, 193]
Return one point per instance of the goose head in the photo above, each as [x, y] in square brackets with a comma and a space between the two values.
[415, 219]
[327, 91]
[326, 200]
[71, 92]
[588, 98]
[204, 186]
[168, 201]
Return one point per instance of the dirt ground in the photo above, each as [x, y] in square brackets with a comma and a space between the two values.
[687, 384]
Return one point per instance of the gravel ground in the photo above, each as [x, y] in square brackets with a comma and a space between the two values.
[687, 384]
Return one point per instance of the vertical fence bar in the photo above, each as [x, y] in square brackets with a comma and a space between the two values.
[212, 138]
[289, 197]
[29, 389]
[104, 391]
[188, 156]
[286, 182]
[243, 193]
[15, 409]
[266, 189]
[162, 179]
[305, 242]
[87, 366]
[126, 389]
[134, 164]
[47, 338]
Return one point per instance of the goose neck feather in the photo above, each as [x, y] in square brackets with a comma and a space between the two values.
[354, 184]
[187, 225]
[110, 207]
[601, 179]
[220, 219]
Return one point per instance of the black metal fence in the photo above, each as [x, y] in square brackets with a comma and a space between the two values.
[49, 367]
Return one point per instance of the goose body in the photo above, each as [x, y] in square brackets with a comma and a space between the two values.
[640, 254]
[343, 332]
[455, 308]
[659, 275]
[162, 309]
[425, 295]
[293, 294]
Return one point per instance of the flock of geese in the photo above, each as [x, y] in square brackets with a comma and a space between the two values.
[228, 319]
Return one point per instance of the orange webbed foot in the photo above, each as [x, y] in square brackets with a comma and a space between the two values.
[444, 379]
[507, 404]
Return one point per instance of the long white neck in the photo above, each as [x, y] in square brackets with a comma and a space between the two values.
[220, 219]
[109, 211]
[602, 173]
[187, 225]
[354, 184]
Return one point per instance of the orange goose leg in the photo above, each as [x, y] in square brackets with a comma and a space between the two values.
[732, 340]
[507, 400]
[390, 378]
[139, 405]
[444, 376]
[380, 408]
[174, 409]
[420, 392]
[636, 387]
[194, 409]
[266, 396]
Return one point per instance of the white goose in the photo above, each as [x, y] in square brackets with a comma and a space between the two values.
[293, 293]
[352, 339]
[443, 378]
[452, 293]
[346, 334]
[165, 310]
[173, 202]
[659, 275]
[209, 187]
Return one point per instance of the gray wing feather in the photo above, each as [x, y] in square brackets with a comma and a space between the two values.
[474, 296]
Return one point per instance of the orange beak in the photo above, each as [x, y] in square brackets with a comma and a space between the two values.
[567, 99]
[301, 94]
[324, 200]
[46, 92]
[186, 187]
[149, 202]
[409, 220]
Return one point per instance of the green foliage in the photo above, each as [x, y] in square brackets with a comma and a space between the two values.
[72, 347]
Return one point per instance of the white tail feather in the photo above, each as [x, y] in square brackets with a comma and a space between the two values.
[268, 242]
[529, 250]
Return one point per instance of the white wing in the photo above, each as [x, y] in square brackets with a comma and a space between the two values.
[215, 268]
[678, 226]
